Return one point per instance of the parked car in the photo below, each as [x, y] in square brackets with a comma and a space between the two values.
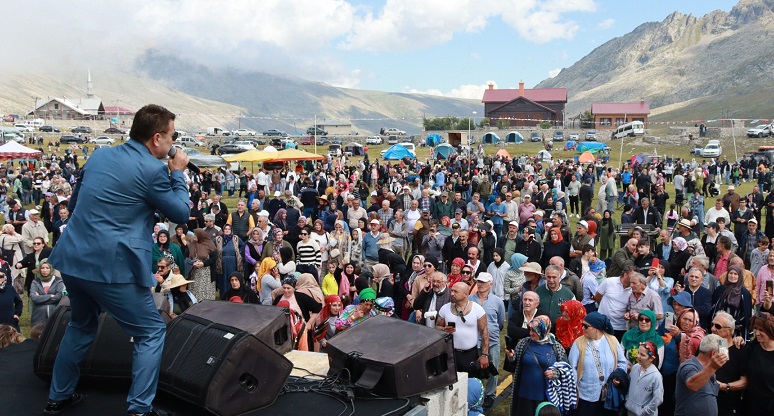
[558, 136]
[274, 132]
[49, 129]
[712, 149]
[81, 129]
[393, 130]
[336, 140]
[24, 127]
[244, 132]
[535, 137]
[307, 140]
[760, 131]
[574, 136]
[316, 131]
[68, 138]
[591, 135]
[115, 130]
[188, 141]
[236, 147]
[392, 139]
[103, 140]
[322, 140]
[374, 140]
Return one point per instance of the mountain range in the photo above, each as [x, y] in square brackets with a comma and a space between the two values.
[688, 68]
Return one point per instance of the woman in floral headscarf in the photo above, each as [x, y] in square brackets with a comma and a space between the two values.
[529, 361]
[569, 325]
[202, 256]
[272, 248]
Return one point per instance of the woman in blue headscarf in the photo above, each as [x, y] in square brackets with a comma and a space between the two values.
[514, 280]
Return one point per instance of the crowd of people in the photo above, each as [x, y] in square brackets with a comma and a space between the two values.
[614, 295]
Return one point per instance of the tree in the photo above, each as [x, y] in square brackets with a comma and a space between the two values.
[465, 124]
[545, 124]
[587, 120]
[484, 123]
[440, 123]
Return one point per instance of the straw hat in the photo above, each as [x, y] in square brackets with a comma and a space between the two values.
[175, 280]
[531, 267]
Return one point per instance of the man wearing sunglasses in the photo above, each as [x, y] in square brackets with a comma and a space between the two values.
[433, 296]
[466, 321]
[113, 272]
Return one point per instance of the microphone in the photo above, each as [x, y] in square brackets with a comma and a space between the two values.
[193, 168]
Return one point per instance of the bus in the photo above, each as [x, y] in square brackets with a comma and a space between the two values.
[635, 128]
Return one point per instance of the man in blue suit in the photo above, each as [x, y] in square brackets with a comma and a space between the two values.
[104, 254]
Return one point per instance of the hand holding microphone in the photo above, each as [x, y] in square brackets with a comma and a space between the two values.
[180, 161]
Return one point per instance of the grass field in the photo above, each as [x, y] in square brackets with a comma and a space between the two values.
[629, 149]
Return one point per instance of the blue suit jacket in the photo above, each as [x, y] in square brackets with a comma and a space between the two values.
[108, 238]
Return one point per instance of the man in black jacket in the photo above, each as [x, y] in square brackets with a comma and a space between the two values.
[646, 214]
[586, 194]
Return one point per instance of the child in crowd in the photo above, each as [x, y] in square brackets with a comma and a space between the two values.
[672, 216]
[759, 255]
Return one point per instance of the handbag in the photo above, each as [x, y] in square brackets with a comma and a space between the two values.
[320, 330]
[335, 253]
[7, 255]
[603, 393]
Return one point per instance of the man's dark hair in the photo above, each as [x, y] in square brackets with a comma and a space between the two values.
[725, 242]
[150, 120]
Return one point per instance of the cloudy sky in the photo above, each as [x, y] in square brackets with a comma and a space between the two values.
[444, 47]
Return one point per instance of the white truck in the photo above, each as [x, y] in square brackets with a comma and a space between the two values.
[217, 131]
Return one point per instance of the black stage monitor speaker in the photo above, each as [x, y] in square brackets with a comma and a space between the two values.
[422, 361]
[224, 369]
[271, 324]
[109, 357]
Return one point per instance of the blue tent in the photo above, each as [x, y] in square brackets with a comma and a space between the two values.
[433, 139]
[592, 147]
[514, 137]
[491, 138]
[397, 152]
[444, 151]
[571, 144]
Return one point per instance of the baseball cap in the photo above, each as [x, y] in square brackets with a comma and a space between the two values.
[514, 223]
[583, 224]
[458, 211]
[484, 277]
[277, 193]
[374, 221]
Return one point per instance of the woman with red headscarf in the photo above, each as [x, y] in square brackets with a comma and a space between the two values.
[555, 246]
[455, 275]
[325, 328]
[569, 326]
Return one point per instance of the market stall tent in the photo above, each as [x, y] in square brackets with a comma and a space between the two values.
[13, 150]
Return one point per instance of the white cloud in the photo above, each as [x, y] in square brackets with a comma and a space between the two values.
[554, 72]
[463, 91]
[606, 24]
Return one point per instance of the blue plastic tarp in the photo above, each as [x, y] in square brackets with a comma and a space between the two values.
[397, 152]
[592, 147]
[433, 139]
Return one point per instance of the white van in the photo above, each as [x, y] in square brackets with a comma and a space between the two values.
[188, 141]
[635, 128]
[410, 147]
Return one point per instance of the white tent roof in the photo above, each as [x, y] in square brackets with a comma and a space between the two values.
[14, 150]
[544, 154]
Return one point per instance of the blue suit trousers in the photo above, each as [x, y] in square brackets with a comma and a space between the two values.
[132, 306]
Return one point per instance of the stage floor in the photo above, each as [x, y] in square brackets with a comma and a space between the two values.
[22, 393]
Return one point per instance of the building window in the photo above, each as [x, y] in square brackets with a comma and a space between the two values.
[620, 121]
[642, 119]
[605, 121]
[56, 106]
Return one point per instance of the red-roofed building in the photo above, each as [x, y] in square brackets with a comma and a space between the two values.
[118, 111]
[525, 107]
[611, 115]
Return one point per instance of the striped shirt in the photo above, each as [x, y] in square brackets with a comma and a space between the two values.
[309, 253]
